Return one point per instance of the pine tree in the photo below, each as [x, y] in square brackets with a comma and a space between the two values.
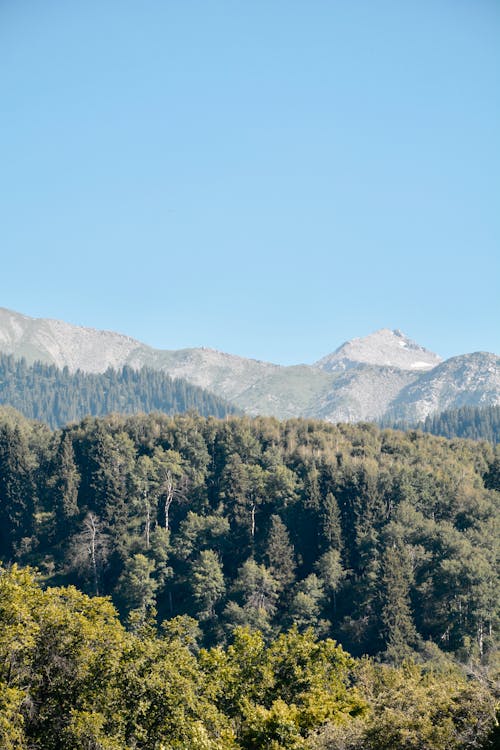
[137, 586]
[64, 487]
[397, 629]
[332, 523]
[207, 583]
[17, 503]
[279, 553]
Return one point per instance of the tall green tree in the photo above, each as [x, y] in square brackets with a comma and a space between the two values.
[17, 501]
[279, 553]
[207, 583]
[63, 488]
[332, 523]
[258, 592]
[398, 632]
[137, 586]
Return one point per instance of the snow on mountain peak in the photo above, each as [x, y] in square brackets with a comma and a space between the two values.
[385, 348]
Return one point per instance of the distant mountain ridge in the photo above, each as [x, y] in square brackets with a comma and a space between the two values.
[384, 375]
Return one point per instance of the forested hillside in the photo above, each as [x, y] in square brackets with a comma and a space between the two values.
[385, 541]
[57, 397]
[258, 540]
[473, 422]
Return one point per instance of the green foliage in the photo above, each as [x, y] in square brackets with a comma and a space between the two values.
[382, 540]
[72, 677]
[257, 595]
[207, 582]
[472, 422]
[412, 708]
[136, 585]
[279, 553]
[57, 397]
[306, 605]
[279, 693]
[17, 495]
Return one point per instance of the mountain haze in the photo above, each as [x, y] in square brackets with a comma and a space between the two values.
[383, 375]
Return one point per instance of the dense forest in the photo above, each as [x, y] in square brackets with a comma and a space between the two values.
[258, 541]
[73, 678]
[472, 422]
[57, 397]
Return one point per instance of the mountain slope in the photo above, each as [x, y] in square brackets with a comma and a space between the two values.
[363, 393]
[61, 344]
[78, 348]
[384, 375]
[225, 374]
[467, 380]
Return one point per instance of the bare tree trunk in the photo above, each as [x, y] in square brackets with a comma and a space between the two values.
[91, 526]
[169, 496]
[252, 515]
[148, 524]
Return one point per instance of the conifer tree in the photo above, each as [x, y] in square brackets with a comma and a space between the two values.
[137, 586]
[207, 583]
[17, 503]
[279, 553]
[332, 523]
[397, 629]
[64, 486]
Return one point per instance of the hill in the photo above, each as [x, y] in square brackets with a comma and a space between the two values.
[472, 422]
[58, 396]
[263, 523]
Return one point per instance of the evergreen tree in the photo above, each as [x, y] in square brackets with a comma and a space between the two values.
[306, 605]
[279, 553]
[207, 583]
[258, 594]
[332, 523]
[64, 485]
[331, 574]
[397, 629]
[137, 586]
[17, 502]
[57, 396]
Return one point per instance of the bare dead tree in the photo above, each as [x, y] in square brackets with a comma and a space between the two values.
[90, 549]
[172, 490]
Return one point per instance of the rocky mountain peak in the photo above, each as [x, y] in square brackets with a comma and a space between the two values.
[383, 375]
[384, 348]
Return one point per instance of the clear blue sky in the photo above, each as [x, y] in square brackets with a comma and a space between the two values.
[266, 177]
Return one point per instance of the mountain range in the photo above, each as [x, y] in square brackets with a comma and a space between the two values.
[382, 376]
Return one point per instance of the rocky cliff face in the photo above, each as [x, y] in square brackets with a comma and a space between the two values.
[467, 380]
[362, 393]
[384, 375]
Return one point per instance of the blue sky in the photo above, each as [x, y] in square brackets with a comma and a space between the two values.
[268, 178]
